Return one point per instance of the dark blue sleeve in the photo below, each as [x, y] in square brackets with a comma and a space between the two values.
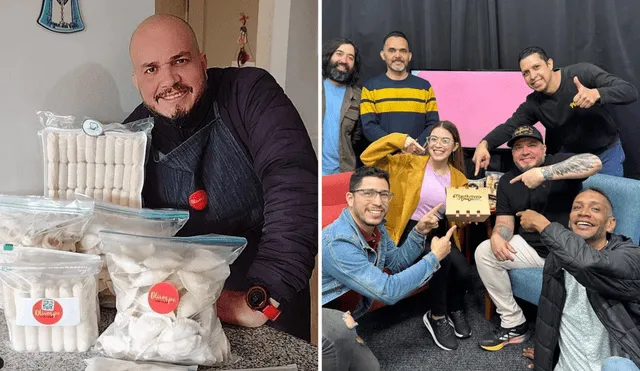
[286, 164]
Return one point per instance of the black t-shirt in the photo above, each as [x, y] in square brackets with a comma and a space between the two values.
[552, 198]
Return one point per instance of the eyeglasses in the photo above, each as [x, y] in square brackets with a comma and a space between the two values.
[445, 141]
[370, 194]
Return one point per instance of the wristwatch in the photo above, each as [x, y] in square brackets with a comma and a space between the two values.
[258, 299]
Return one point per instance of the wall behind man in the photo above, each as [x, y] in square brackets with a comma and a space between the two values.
[222, 30]
[302, 64]
[84, 74]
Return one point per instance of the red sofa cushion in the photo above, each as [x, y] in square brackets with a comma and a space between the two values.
[334, 193]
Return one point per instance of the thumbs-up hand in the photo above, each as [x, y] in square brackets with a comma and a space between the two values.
[586, 97]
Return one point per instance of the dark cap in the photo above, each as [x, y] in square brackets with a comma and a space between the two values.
[525, 131]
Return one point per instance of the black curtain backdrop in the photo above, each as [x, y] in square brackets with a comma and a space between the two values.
[489, 34]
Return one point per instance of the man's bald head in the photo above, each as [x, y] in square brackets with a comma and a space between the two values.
[168, 68]
[161, 23]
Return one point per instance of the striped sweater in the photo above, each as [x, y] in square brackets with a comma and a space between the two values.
[389, 106]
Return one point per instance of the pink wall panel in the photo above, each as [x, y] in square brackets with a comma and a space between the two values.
[477, 101]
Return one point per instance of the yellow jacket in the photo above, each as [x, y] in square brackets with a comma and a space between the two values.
[407, 173]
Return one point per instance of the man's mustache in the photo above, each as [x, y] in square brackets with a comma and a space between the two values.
[176, 88]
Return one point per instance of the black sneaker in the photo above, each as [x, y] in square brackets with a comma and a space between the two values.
[497, 339]
[441, 331]
[460, 325]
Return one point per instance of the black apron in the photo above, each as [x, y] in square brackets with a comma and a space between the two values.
[212, 160]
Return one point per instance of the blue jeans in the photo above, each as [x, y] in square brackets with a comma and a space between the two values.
[612, 160]
[619, 364]
[341, 350]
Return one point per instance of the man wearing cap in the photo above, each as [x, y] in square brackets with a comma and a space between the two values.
[571, 102]
[543, 183]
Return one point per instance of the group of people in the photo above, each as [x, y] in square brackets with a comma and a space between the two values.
[393, 236]
[570, 102]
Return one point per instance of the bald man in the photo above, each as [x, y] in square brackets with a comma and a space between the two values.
[230, 146]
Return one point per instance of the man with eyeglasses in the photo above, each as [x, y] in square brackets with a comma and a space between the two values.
[356, 248]
[543, 183]
[397, 101]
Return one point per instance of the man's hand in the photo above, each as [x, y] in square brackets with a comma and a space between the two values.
[412, 146]
[586, 97]
[501, 248]
[532, 221]
[441, 246]
[531, 178]
[481, 156]
[429, 221]
[233, 309]
[528, 353]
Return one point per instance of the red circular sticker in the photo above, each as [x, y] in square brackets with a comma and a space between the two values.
[198, 200]
[163, 298]
[47, 311]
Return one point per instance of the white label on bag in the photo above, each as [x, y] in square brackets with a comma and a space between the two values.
[47, 311]
[92, 127]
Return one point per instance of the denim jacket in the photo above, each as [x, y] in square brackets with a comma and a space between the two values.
[349, 263]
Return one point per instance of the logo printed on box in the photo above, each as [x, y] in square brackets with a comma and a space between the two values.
[460, 197]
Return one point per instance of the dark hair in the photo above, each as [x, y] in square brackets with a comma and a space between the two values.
[599, 190]
[533, 50]
[457, 158]
[366, 171]
[395, 34]
[330, 47]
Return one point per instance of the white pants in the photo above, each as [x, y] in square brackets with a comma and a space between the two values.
[495, 277]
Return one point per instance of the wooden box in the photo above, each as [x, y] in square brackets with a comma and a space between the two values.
[467, 204]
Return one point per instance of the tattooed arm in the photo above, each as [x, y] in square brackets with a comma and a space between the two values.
[576, 167]
[502, 233]
[504, 226]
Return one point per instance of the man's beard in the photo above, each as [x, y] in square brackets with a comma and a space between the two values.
[398, 69]
[181, 115]
[341, 77]
[178, 118]
[526, 168]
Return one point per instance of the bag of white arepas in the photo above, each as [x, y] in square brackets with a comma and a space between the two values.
[41, 222]
[166, 290]
[50, 299]
[102, 364]
[150, 222]
[102, 161]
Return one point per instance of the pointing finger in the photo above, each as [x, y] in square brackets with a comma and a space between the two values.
[450, 232]
[516, 179]
[435, 209]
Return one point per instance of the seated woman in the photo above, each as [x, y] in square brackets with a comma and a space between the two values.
[418, 180]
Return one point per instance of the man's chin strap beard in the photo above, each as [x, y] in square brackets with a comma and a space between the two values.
[185, 119]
